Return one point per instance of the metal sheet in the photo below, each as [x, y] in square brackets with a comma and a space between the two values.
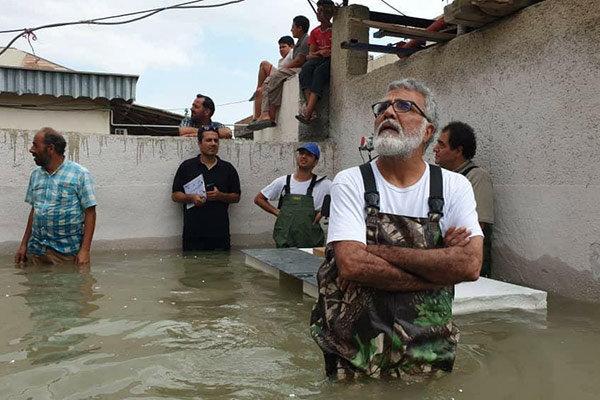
[65, 83]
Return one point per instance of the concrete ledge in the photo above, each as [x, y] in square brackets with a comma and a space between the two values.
[288, 128]
[470, 297]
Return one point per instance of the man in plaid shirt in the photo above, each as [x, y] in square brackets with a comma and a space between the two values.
[63, 206]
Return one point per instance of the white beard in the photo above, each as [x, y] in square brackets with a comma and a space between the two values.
[388, 143]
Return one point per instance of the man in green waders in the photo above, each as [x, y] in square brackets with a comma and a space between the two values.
[401, 234]
[301, 197]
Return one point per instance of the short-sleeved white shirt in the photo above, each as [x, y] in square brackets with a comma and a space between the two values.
[347, 214]
[285, 61]
[275, 188]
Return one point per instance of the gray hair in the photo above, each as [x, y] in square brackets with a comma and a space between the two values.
[430, 103]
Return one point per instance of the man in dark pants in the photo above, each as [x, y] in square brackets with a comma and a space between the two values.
[454, 150]
[301, 197]
[314, 76]
[206, 223]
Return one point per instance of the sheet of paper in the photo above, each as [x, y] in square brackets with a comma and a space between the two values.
[195, 186]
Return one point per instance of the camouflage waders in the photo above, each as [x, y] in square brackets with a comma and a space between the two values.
[295, 226]
[367, 331]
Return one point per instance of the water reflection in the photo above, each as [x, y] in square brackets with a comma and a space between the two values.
[60, 298]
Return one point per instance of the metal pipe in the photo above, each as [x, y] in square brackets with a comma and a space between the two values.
[112, 122]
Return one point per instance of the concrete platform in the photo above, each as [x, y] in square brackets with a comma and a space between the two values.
[300, 266]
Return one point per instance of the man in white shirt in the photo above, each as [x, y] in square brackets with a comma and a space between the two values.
[266, 69]
[401, 234]
[301, 196]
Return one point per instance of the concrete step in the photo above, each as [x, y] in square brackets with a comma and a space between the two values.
[299, 267]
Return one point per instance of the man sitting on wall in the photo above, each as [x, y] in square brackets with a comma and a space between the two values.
[63, 206]
[300, 197]
[314, 77]
[454, 150]
[393, 251]
[202, 110]
[273, 91]
[206, 223]
[266, 69]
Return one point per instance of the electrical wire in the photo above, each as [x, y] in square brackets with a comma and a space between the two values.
[393, 8]
[29, 32]
[311, 6]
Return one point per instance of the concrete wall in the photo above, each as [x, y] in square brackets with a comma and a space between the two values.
[530, 86]
[133, 179]
[288, 128]
[66, 115]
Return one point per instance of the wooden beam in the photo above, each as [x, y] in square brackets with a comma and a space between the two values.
[407, 32]
[354, 45]
[400, 19]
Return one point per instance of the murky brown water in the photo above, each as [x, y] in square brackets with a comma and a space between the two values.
[146, 325]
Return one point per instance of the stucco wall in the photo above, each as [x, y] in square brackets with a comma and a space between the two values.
[133, 178]
[64, 114]
[530, 86]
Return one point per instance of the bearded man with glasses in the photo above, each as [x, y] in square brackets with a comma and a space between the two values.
[401, 234]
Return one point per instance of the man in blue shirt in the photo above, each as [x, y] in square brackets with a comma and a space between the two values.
[63, 206]
[202, 111]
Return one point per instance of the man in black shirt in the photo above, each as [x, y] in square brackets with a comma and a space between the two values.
[206, 224]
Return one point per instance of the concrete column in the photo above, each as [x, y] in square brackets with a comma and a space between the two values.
[345, 63]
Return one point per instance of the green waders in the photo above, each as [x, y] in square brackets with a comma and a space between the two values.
[295, 226]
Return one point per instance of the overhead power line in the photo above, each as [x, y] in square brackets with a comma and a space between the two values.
[393, 8]
[29, 32]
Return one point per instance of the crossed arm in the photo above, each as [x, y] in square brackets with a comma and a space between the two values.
[188, 131]
[396, 268]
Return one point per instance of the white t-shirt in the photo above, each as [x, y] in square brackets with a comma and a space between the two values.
[285, 61]
[321, 189]
[347, 214]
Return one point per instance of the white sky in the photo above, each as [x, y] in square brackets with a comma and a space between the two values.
[177, 53]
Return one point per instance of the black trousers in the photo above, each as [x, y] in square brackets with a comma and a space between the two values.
[206, 243]
[314, 75]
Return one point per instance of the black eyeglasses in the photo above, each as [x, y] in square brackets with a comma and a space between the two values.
[399, 105]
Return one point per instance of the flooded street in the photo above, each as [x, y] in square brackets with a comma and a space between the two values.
[154, 325]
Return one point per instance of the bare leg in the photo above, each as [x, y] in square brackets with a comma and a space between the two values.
[273, 112]
[311, 103]
[306, 94]
[263, 71]
[258, 102]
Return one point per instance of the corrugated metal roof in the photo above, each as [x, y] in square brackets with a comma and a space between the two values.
[67, 83]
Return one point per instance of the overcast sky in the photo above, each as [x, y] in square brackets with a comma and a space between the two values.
[177, 53]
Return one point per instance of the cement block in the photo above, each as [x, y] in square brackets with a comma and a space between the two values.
[470, 297]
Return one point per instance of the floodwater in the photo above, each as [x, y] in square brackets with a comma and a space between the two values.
[156, 325]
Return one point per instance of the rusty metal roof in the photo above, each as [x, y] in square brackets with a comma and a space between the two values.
[75, 84]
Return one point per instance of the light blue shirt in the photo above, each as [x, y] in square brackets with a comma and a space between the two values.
[59, 201]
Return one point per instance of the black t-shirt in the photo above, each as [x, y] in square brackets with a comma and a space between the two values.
[212, 219]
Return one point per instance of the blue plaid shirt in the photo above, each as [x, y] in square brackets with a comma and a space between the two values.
[59, 200]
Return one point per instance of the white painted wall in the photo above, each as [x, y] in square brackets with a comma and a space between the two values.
[287, 125]
[530, 87]
[133, 178]
[65, 115]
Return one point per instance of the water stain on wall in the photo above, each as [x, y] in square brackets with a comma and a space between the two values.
[550, 273]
